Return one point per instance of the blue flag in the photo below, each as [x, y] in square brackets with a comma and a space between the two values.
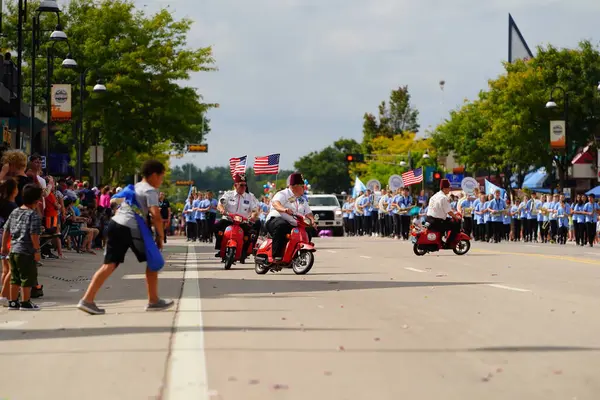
[358, 187]
[154, 257]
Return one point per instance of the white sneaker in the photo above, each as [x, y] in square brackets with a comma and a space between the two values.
[3, 302]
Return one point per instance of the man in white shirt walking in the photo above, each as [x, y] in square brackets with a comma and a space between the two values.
[439, 210]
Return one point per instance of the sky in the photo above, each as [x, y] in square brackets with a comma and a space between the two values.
[296, 75]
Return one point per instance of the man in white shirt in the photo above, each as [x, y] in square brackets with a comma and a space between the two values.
[238, 201]
[285, 203]
[438, 211]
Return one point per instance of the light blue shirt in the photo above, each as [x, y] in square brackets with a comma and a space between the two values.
[497, 205]
[486, 215]
[213, 206]
[367, 210]
[475, 203]
[591, 207]
[579, 218]
[547, 205]
[345, 208]
[553, 207]
[189, 217]
[563, 215]
[479, 217]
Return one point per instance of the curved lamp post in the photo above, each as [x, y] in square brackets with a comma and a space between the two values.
[58, 35]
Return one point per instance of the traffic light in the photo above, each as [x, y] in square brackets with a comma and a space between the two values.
[355, 158]
[437, 177]
[197, 148]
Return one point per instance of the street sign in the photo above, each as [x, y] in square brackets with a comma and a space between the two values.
[184, 183]
[43, 162]
[429, 174]
[197, 148]
[455, 180]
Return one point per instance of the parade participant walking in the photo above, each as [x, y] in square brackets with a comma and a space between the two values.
[124, 234]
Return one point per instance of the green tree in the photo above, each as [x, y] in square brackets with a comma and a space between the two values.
[395, 117]
[327, 170]
[143, 58]
[507, 127]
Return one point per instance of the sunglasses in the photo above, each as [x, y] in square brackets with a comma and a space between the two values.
[242, 184]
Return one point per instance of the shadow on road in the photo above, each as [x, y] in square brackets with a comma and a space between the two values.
[16, 334]
[214, 288]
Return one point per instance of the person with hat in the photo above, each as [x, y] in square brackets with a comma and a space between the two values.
[237, 201]
[438, 211]
[284, 205]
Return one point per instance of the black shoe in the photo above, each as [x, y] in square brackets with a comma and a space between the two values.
[36, 293]
[218, 254]
[29, 306]
[14, 306]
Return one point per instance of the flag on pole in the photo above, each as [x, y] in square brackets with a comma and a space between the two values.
[267, 165]
[517, 47]
[358, 187]
[237, 165]
[413, 176]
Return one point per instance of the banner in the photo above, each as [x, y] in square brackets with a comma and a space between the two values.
[61, 102]
[517, 47]
[558, 135]
[490, 188]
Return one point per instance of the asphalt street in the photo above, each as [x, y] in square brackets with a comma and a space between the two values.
[371, 320]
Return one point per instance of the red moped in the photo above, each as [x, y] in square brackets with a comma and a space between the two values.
[426, 241]
[233, 241]
[298, 255]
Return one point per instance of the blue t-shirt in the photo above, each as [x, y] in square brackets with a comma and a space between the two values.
[591, 207]
[579, 218]
[213, 206]
[189, 217]
[479, 217]
[497, 205]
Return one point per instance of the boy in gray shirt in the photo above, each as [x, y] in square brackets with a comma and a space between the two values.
[123, 234]
[23, 228]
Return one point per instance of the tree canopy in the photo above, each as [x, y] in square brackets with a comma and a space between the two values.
[143, 59]
[507, 126]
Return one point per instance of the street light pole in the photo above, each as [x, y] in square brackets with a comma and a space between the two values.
[20, 21]
[552, 104]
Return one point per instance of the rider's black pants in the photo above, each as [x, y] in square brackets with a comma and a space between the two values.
[279, 228]
[443, 226]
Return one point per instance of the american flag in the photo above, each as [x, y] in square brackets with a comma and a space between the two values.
[266, 165]
[237, 165]
[412, 177]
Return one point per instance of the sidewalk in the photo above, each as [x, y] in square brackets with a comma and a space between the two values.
[63, 353]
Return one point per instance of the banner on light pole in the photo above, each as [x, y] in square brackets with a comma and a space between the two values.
[558, 134]
[61, 102]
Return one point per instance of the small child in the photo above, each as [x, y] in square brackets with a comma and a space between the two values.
[23, 228]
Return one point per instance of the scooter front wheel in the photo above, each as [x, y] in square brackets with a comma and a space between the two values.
[229, 257]
[260, 269]
[303, 262]
[462, 247]
[418, 251]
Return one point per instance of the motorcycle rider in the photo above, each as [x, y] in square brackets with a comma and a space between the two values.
[305, 210]
[237, 201]
[438, 211]
[284, 204]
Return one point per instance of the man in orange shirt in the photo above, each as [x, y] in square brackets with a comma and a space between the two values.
[51, 216]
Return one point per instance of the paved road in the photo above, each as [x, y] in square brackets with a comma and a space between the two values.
[371, 320]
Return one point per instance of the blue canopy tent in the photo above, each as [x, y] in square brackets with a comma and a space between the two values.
[595, 191]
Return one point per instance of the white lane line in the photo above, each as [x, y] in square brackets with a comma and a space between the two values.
[514, 289]
[594, 254]
[365, 257]
[414, 269]
[531, 245]
[332, 251]
[187, 375]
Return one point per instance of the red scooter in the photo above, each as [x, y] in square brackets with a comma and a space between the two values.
[298, 253]
[426, 241]
[233, 241]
